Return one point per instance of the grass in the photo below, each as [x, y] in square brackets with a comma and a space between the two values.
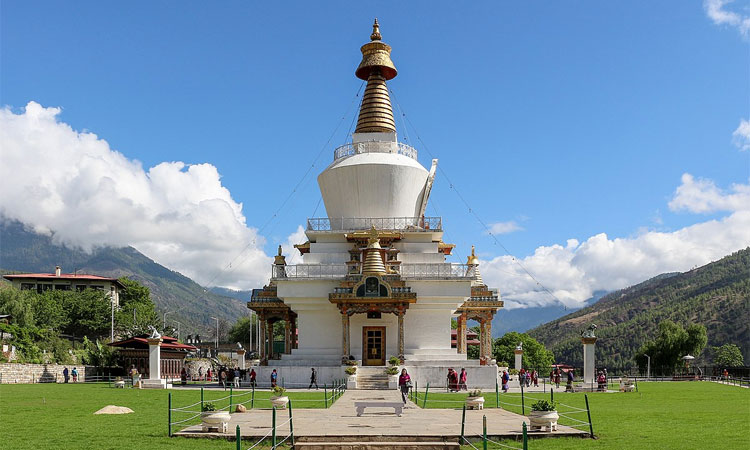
[659, 416]
[60, 416]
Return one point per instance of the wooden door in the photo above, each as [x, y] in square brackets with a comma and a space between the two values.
[373, 346]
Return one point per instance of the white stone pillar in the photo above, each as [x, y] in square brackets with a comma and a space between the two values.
[519, 358]
[154, 359]
[241, 358]
[589, 360]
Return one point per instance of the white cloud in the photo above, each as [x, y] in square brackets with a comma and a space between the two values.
[575, 271]
[741, 136]
[505, 227]
[703, 196]
[293, 255]
[55, 178]
[718, 12]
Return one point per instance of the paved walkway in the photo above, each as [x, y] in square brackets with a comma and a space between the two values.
[340, 420]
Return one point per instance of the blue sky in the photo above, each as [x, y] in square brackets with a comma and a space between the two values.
[568, 119]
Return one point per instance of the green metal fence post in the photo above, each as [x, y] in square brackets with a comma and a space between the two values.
[291, 424]
[273, 427]
[325, 395]
[551, 394]
[252, 397]
[237, 437]
[427, 389]
[463, 423]
[169, 415]
[525, 438]
[201, 398]
[523, 407]
[484, 432]
[497, 394]
[230, 399]
[588, 412]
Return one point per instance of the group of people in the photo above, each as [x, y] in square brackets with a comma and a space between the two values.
[67, 374]
[526, 377]
[456, 381]
[601, 380]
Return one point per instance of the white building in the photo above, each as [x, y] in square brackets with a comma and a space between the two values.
[59, 281]
[375, 282]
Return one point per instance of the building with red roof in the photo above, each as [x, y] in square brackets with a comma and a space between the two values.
[59, 281]
[134, 352]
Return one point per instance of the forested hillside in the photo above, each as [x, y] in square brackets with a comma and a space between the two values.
[716, 295]
[25, 251]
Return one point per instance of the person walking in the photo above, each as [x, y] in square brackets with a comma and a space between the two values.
[535, 378]
[200, 373]
[274, 377]
[522, 377]
[571, 378]
[558, 376]
[462, 380]
[404, 383]
[505, 380]
[252, 377]
[223, 377]
[66, 375]
[74, 373]
[236, 377]
[183, 376]
[313, 379]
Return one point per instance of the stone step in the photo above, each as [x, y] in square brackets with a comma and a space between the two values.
[372, 445]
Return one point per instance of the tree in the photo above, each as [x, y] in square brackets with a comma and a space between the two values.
[728, 355]
[535, 355]
[242, 331]
[137, 311]
[17, 303]
[672, 343]
[88, 312]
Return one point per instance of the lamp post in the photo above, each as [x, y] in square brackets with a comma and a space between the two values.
[216, 342]
[164, 319]
[648, 366]
[178, 330]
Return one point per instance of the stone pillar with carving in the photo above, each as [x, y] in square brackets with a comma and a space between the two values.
[294, 333]
[461, 333]
[519, 357]
[487, 356]
[482, 341]
[589, 359]
[269, 339]
[344, 334]
[241, 358]
[401, 334]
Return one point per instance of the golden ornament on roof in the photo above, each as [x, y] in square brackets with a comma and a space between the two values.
[472, 260]
[375, 112]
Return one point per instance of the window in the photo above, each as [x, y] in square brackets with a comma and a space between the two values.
[43, 287]
[62, 287]
[97, 287]
[373, 315]
[81, 287]
[27, 286]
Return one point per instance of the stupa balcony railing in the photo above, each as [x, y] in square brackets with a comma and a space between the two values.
[434, 271]
[374, 147]
[343, 224]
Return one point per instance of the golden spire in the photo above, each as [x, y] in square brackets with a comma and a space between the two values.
[375, 113]
[279, 259]
[472, 260]
[373, 258]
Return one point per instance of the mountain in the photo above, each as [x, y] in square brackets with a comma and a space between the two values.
[716, 295]
[524, 319]
[25, 251]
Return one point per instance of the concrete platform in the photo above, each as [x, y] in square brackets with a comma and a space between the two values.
[340, 423]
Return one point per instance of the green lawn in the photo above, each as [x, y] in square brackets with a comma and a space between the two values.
[660, 416]
[60, 416]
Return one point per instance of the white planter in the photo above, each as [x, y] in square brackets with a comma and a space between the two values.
[280, 402]
[543, 419]
[216, 420]
[392, 381]
[474, 402]
[351, 382]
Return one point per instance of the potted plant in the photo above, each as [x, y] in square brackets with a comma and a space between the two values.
[279, 398]
[543, 415]
[475, 400]
[394, 361]
[392, 373]
[213, 419]
[351, 380]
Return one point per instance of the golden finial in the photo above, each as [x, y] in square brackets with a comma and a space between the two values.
[373, 241]
[375, 36]
[472, 260]
[279, 259]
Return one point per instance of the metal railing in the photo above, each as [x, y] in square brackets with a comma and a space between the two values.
[380, 223]
[374, 147]
[437, 271]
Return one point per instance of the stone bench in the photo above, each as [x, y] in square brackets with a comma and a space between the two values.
[397, 406]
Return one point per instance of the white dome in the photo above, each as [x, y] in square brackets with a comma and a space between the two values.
[373, 185]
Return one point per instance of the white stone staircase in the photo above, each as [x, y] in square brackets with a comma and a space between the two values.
[373, 377]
